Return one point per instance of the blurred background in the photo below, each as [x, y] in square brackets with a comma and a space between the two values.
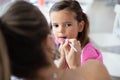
[104, 17]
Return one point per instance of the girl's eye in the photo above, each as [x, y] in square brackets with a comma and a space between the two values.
[55, 25]
[68, 24]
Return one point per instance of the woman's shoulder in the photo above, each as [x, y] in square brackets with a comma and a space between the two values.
[90, 70]
[94, 70]
[72, 74]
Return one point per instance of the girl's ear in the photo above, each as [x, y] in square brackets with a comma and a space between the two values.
[81, 26]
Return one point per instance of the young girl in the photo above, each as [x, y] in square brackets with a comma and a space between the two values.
[70, 25]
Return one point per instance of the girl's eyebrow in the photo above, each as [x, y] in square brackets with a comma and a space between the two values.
[67, 22]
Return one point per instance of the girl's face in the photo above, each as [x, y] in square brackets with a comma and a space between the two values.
[64, 25]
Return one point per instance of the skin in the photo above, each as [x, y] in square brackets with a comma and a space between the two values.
[65, 29]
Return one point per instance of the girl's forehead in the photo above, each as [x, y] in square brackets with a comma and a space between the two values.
[63, 14]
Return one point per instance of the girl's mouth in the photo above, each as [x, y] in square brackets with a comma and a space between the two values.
[62, 37]
[60, 40]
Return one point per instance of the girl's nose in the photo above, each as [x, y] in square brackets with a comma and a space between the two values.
[61, 29]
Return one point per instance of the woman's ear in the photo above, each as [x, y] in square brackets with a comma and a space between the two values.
[81, 26]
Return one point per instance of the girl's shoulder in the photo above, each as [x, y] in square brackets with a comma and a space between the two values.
[88, 47]
[90, 52]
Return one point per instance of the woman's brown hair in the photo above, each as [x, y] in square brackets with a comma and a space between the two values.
[25, 28]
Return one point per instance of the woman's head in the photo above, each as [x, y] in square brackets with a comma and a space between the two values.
[68, 14]
[25, 30]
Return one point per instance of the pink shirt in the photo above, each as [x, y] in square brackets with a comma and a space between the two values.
[90, 52]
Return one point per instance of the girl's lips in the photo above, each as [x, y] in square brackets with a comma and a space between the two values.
[59, 40]
[62, 38]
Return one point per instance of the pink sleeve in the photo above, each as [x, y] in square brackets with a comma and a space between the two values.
[90, 52]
